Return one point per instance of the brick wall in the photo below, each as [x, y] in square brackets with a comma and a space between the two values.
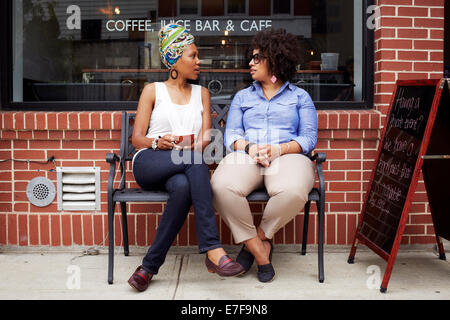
[408, 45]
[350, 139]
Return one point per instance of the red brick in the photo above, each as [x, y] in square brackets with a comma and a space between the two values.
[12, 229]
[330, 227]
[428, 23]
[428, 66]
[23, 229]
[341, 229]
[289, 233]
[422, 239]
[8, 120]
[62, 120]
[413, 55]
[429, 3]
[193, 231]
[312, 228]
[428, 45]
[34, 229]
[55, 220]
[412, 12]
[98, 230]
[420, 219]
[88, 239]
[3, 229]
[278, 237]
[436, 56]
[29, 121]
[71, 135]
[44, 228]
[412, 76]
[396, 22]
[77, 144]
[437, 34]
[106, 121]
[118, 230]
[151, 228]
[44, 144]
[394, 2]
[437, 12]
[414, 229]
[41, 122]
[66, 227]
[95, 120]
[77, 230]
[52, 123]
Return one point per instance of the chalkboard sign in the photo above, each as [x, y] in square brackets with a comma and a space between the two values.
[397, 160]
[405, 140]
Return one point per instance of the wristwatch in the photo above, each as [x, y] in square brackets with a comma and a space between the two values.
[248, 146]
[155, 143]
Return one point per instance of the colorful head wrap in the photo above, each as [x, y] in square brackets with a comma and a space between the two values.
[173, 40]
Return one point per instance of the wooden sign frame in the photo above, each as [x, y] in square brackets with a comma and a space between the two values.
[359, 237]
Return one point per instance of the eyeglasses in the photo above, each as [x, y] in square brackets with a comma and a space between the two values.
[257, 58]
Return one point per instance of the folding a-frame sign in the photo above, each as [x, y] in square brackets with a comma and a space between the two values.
[416, 137]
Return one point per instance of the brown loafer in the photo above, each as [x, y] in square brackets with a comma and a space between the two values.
[227, 267]
[140, 279]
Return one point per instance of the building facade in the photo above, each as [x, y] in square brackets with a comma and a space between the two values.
[68, 68]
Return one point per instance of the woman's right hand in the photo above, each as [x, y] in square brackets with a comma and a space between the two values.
[255, 154]
[166, 142]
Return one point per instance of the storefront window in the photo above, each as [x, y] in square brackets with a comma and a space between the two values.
[106, 51]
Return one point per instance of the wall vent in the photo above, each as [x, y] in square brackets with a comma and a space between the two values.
[78, 188]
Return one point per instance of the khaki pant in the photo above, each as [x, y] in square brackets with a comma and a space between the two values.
[288, 181]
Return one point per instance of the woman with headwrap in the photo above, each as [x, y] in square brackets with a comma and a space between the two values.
[167, 111]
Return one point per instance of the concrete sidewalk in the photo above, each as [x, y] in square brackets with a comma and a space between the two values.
[39, 275]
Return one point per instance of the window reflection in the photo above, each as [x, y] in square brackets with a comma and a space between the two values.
[108, 50]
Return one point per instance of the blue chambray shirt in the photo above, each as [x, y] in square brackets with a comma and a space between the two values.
[289, 115]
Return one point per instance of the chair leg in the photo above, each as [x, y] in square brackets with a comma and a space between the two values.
[123, 207]
[111, 206]
[320, 211]
[305, 227]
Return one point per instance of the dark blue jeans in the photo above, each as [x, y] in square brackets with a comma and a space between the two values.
[188, 184]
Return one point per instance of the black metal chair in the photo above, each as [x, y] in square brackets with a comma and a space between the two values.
[124, 195]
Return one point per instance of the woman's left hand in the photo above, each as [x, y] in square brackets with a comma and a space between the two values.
[267, 153]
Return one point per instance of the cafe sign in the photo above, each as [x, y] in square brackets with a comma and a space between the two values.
[213, 27]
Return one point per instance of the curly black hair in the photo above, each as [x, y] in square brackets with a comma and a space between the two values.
[281, 49]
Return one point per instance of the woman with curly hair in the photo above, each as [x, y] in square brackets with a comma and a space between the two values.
[271, 127]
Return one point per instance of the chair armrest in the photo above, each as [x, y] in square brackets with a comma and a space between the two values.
[111, 158]
[319, 157]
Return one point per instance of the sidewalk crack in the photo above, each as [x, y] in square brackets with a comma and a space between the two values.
[178, 276]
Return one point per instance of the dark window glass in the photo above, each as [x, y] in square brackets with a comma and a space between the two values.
[104, 51]
[259, 7]
[212, 8]
[167, 8]
[188, 7]
[236, 6]
[282, 7]
[302, 7]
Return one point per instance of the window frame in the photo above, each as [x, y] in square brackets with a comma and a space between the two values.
[6, 75]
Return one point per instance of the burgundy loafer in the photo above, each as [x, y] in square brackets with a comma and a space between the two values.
[227, 267]
[140, 279]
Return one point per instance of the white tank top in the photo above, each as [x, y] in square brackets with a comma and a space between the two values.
[170, 118]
